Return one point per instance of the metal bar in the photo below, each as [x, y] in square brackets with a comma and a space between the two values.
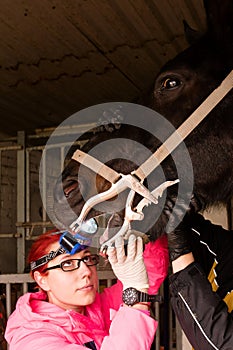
[25, 287]
[1, 182]
[44, 186]
[8, 299]
[9, 139]
[11, 278]
[47, 132]
[109, 282]
[62, 155]
[10, 148]
[21, 201]
[64, 130]
[170, 326]
[157, 335]
[27, 189]
[10, 235]
[57, 145]
[29, 224]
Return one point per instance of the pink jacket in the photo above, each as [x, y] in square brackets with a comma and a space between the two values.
[38, 325]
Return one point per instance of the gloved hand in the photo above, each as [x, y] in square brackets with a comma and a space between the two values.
[156, 260]
[180, 219]
[129, 269]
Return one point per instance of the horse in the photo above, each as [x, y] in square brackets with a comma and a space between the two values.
[180, 87]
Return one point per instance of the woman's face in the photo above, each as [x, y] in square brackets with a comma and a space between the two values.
[73, 289]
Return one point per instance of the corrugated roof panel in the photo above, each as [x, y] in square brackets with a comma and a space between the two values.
[61, 56]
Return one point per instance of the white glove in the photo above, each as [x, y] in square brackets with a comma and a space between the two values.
[129, 269]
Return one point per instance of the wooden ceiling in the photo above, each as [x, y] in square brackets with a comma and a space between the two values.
[60, 56]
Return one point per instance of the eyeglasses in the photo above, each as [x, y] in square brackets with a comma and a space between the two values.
[74, 264]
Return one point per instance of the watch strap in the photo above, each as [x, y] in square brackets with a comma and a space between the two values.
[151, 298]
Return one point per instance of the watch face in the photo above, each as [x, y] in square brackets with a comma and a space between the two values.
[130, 296]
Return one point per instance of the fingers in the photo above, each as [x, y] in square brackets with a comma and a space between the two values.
[134, 248]
[112, 257]
[131, 248]
[120, 250]
[139, 246]
[117, 254]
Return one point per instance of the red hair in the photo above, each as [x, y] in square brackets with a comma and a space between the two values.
[41, 247]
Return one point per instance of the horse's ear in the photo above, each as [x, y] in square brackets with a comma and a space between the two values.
[191, 34]
[219, 15]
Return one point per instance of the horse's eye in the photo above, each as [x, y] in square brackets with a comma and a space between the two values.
[170, 83]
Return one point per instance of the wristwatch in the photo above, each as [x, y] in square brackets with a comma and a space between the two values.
[132, 296]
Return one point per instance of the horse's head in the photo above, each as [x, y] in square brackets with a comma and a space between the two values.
[180, 87]
[184, 83]
[122, 150]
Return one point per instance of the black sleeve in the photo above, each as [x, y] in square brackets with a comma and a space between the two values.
[202, 314]
[215, 236]
[209, 243]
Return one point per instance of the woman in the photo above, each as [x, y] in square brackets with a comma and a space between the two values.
[69, 313]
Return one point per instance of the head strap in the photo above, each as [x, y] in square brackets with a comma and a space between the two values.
[46, 258]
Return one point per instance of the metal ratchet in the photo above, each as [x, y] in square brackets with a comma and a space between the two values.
[137, 212]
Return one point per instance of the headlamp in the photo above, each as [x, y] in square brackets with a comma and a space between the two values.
[73, 243]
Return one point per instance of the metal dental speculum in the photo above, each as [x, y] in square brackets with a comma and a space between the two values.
[136, 213]
[82, 231]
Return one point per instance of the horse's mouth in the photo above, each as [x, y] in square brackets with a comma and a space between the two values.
[113, 226]
[110, 216]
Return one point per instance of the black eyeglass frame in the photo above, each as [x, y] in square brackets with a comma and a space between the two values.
[96, 256]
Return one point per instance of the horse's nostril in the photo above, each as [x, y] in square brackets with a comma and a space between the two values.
[70, 188]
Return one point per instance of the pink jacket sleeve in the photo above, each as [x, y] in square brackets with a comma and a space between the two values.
[156, 260]
[130, 329]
